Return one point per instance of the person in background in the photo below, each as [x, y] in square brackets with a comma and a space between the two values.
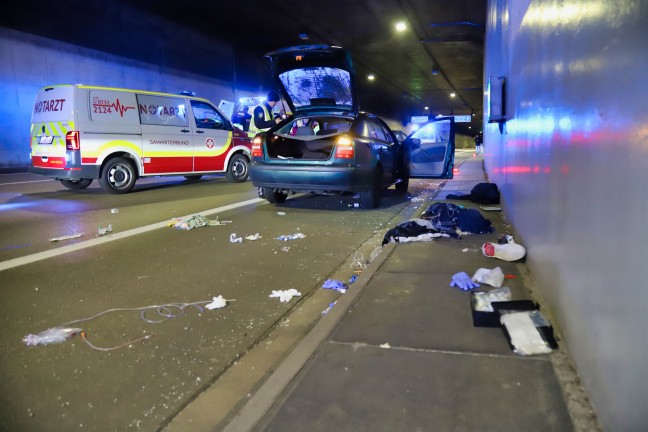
[479, 144]
[262, 117]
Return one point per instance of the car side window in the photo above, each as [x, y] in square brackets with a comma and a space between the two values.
[376, 131]
[206, 116]
[388, 135]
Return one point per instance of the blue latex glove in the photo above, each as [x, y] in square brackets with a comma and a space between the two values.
[463, 281]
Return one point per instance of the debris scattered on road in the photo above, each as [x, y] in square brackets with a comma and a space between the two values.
[253, 237]
[336, 285]
[352, 279]
[494, 277]
[328, 309]
[385, 345]
[291, 237]
[285, 296]
[217, 303]
[103, 231]
[51, 336]
[217, 222]
[281, 213]
[167, 311]
[285, 249]
[114, 211]
[195, 221]
[358, 263]
[67, 237]
[235, 239]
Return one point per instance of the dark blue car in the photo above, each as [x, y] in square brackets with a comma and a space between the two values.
[327, 145]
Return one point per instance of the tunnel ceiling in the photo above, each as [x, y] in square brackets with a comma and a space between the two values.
[440, 52]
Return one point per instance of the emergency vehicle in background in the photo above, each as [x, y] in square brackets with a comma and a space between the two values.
[241, 118]
[80, 133]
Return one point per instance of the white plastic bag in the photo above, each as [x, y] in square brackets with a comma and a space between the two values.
[494, 277]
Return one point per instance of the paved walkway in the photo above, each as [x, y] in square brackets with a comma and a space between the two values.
[399, 352]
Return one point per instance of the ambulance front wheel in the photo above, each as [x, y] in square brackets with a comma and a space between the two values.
[117, 176]
[76, 184]
[237, 169]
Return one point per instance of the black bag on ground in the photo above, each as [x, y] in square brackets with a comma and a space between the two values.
[482, 193]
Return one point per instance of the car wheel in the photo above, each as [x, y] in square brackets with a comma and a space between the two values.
[371, 197]
[237, 169]
[274, 197]
[76, 184]
[402, 185]
[117, 176]
[193, 178]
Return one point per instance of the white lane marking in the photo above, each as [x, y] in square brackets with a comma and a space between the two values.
[23, 182]
[5, 265]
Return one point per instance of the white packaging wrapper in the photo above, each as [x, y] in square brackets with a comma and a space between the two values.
[525, 337]
[494, 277]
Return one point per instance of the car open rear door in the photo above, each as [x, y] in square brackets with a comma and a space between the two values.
[429, 151]
[315, 78]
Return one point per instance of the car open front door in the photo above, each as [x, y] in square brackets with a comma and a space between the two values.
[429, 151]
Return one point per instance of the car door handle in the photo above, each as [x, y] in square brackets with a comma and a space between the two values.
[200, 131]
[185, 130]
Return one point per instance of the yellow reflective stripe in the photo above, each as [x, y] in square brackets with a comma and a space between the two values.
[114, 143]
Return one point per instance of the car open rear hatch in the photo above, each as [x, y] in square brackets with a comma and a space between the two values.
[315, 78]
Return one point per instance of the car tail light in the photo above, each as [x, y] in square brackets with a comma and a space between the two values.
[344, 148]
[256, 146]
[72, 141]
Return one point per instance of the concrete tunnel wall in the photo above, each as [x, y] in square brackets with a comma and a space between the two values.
[572, 164]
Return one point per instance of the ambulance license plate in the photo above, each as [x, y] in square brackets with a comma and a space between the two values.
[46, 140]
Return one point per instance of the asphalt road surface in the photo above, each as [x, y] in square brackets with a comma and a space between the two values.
[145, 384]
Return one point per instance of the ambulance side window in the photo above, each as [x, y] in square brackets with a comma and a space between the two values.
[162, 110]
[207, 117]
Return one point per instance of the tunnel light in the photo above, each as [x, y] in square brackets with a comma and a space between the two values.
[427, 108]
[371, 77]
[453, 95]
[401, 26]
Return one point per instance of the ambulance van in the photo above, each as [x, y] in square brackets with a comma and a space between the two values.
[80, 133]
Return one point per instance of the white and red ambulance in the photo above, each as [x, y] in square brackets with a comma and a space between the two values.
[80, 133]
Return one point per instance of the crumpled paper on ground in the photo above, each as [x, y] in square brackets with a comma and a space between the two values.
[217, 303]
[291, 237]
[103, 231]
[195, 221]
[235, 239]
[285, 296]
